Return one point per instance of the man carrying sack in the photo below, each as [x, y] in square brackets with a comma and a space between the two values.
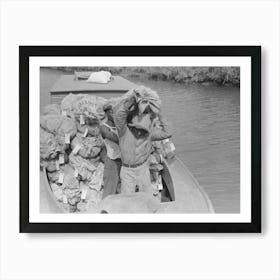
[134, 117]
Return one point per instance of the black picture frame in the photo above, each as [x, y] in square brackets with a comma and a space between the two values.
[25, 52]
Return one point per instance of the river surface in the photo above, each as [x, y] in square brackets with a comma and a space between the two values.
[206, 123]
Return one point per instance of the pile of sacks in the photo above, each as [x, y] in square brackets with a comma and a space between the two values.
[160, 150]
[70, 145]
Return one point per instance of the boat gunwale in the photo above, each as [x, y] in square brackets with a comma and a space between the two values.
[200, 188]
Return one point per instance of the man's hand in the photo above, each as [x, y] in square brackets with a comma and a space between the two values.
[130, 101]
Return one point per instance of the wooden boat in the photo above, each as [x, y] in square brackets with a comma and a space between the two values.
[181, 192]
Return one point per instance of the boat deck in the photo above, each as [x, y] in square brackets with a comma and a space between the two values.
[69, 83]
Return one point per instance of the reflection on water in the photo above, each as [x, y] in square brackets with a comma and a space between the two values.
[206, 122]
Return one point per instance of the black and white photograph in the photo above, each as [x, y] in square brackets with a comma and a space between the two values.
[143, 136]
[140, 139]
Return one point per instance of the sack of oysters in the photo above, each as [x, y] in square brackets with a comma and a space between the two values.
[70, 146]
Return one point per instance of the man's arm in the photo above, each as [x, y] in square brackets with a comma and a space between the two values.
[106, 132]
[120, 113]
[162, 132]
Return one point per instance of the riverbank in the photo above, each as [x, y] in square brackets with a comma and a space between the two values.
[227, 76]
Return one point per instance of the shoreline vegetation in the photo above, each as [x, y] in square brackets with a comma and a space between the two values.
[223, 76]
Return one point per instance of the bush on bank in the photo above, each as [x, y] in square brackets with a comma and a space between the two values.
[218, 75]
[184, 75]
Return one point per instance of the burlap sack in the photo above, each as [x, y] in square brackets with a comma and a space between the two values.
[59, 125]
[49, 146]
[52, 109]
[87, 147]
[84, 168]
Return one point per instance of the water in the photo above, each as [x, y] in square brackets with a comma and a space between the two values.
[206, 134]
